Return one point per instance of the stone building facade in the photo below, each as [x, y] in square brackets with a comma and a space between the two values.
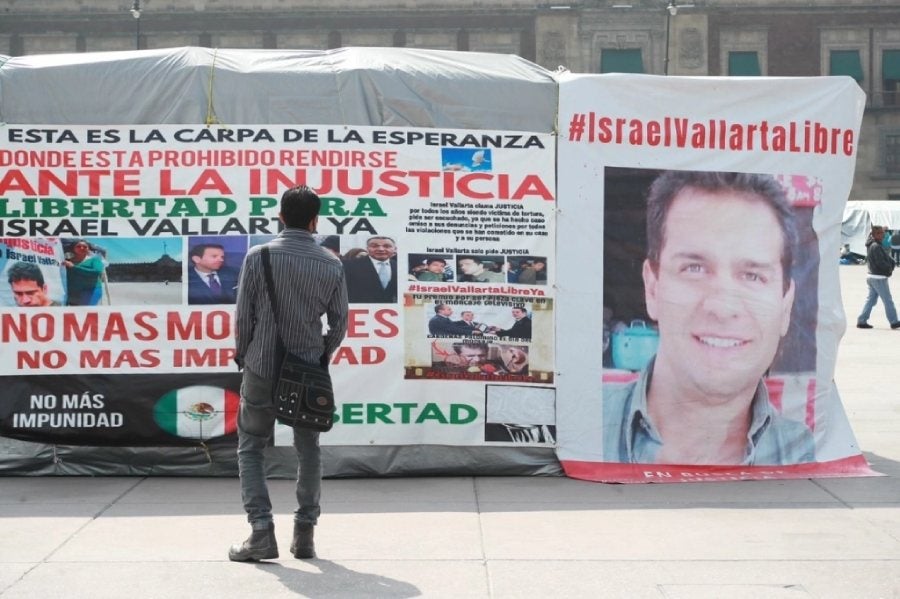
[860, 38]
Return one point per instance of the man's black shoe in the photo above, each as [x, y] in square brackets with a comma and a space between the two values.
[895, 325]
[866, 325]
[303, 547]
[259, 545]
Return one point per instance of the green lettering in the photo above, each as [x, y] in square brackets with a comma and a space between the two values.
[368, 207]
[113, 207]
[333, 206]
[338, 207]
[184, 207]
[431, 411]
[149, 206]
[353, 413]
[462, 413]
[82, 207]
[55, 207]
[378, 411]
[260, 204]
[404, 411]
[220, 206]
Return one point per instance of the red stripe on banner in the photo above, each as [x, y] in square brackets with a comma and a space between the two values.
[610, 472]
[811, 404]
[232, 405]
[776, 392]
[618, 376]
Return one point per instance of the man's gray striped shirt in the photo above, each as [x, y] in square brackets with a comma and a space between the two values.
[309, 282]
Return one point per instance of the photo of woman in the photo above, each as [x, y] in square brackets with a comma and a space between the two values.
[85, 274]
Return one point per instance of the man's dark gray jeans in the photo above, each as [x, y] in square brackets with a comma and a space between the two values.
[256, 422]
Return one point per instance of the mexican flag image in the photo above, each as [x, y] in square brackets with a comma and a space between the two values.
[198, 412]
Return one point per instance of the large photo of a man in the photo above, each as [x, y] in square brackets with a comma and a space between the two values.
[726, 282]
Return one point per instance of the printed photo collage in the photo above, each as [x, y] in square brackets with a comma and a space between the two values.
[120, 271]
[477, 268]
[484, 338]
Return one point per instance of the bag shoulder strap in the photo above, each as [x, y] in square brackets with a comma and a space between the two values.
[270, 283]
[270, 287]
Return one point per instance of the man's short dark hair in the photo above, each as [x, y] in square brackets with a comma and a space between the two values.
[299, 206]
[441, 260]
[439, 307]
[332, 242]
[200, 249]
[670, 183]
[24, 271]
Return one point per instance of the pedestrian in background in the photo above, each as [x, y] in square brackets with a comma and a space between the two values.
[895, 246]
[881, 267]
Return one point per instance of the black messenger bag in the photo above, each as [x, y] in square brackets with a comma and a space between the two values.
[302, 391]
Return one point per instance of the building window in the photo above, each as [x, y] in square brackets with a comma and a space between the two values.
[743, 64]
[621, 61]
[399, 39]
[846, 62]
[890, 74]
[892, 155]
[205, 40]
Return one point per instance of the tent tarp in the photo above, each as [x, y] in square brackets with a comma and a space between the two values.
[348, 86]
[394, 87]
[859, 216]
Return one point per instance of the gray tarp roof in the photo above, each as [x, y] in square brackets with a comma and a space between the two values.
[395, 87]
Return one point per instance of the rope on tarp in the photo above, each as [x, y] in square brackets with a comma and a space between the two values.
[211, 118]
[3, 64]
[203, 444]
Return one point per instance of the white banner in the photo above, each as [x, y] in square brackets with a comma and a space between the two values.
[125, 344]
[699, 340]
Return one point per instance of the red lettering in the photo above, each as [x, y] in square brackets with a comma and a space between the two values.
[144, 322]
[28, 244]
[360, 325]
[366, 355]
[386, 317]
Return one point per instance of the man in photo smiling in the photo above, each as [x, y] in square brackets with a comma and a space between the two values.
[717, 280]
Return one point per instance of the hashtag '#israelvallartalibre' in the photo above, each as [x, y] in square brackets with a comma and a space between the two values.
[576, 127]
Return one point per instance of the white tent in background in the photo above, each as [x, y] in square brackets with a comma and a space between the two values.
[859, 216]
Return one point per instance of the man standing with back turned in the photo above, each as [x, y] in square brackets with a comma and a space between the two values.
[881, 267]
[309, 282]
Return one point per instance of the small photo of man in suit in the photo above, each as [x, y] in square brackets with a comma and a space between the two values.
[373, 279]
[210, 279]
